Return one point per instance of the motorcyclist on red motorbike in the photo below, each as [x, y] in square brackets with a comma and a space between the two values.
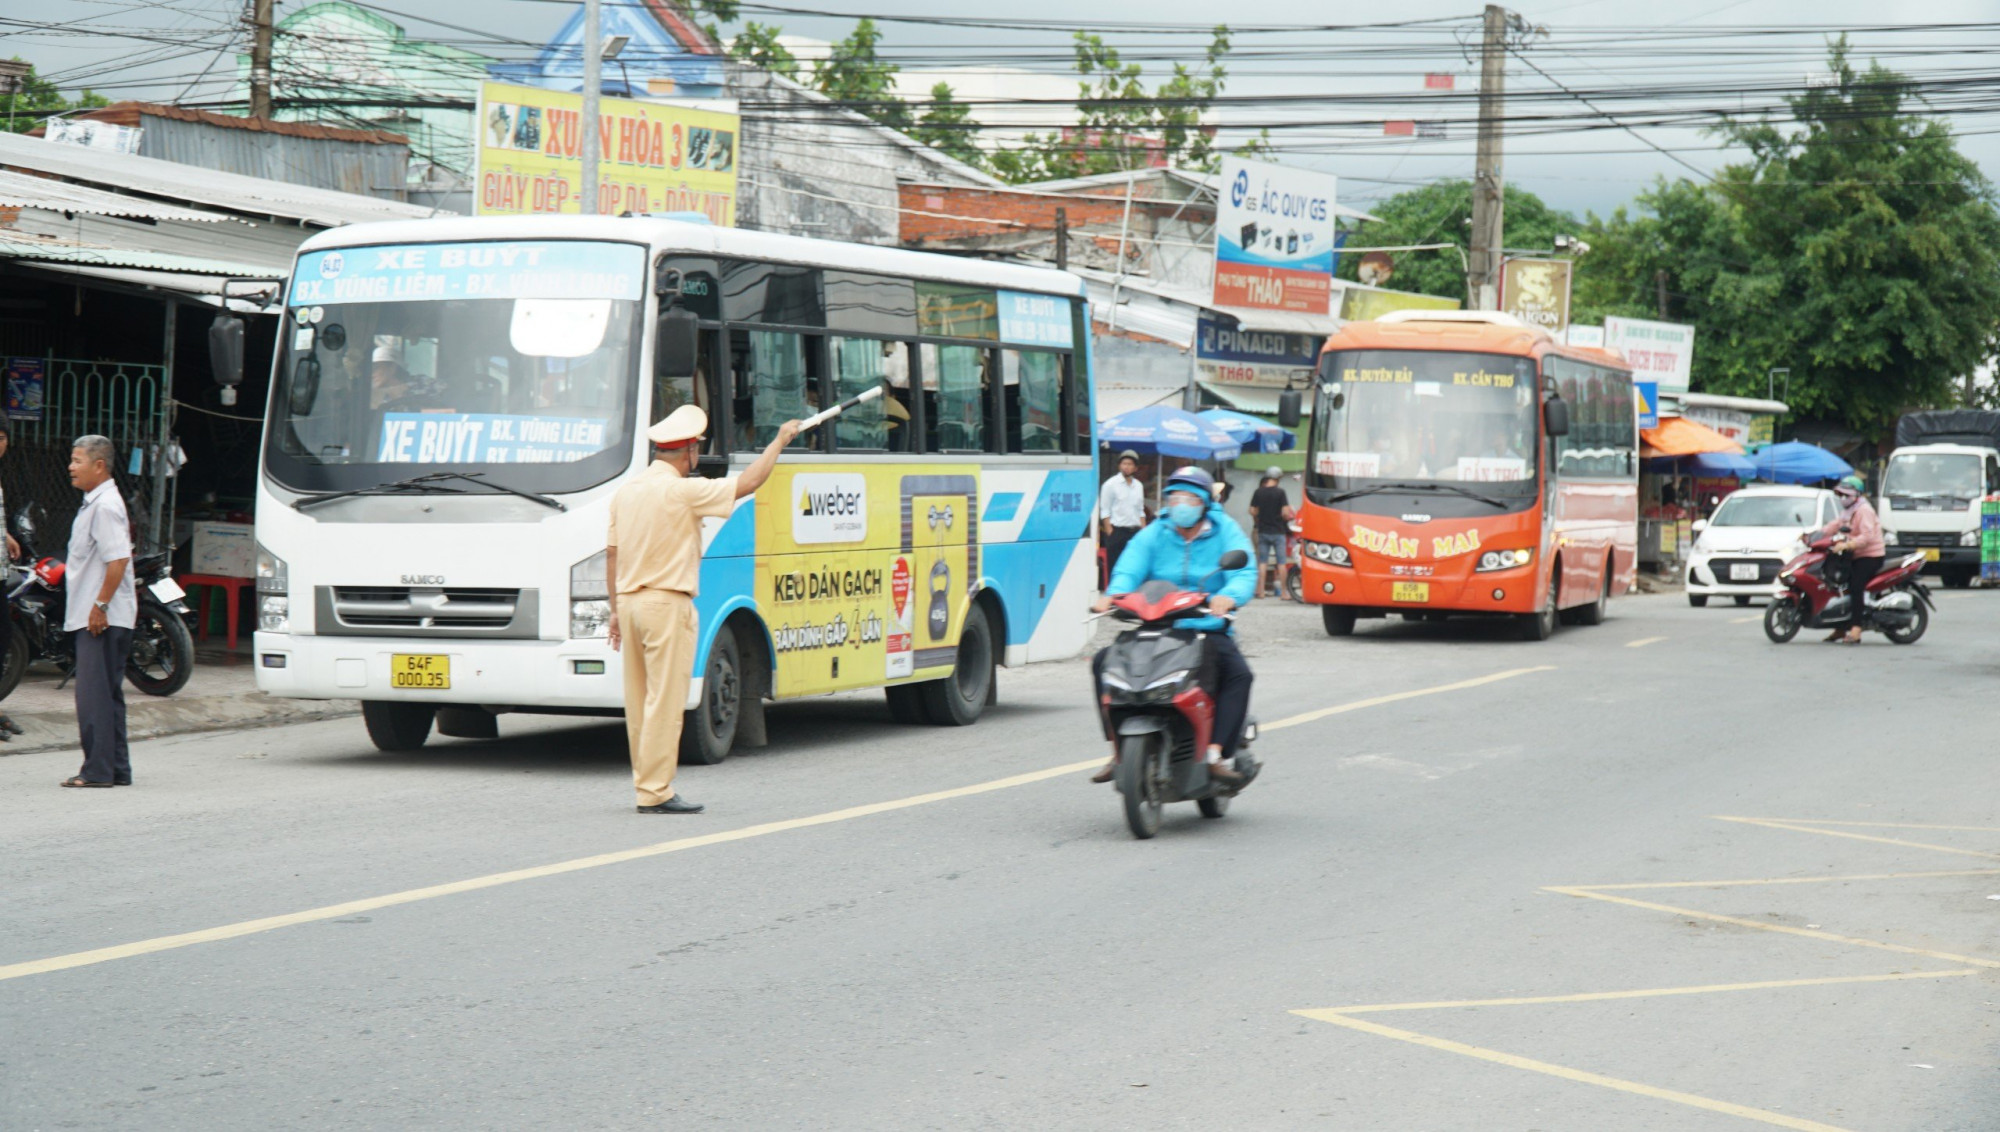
[1185, 546]
[1861, 532]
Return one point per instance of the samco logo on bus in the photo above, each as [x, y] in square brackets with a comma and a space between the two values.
[829, 507]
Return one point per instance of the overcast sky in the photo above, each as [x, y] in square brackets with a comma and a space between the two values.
[1720, 54]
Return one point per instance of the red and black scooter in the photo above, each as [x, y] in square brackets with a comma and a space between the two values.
[1154, 698]
[1898, 604]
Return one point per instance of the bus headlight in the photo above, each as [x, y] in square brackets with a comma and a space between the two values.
[274, 603]
[589, 598]
[1503, 559]
[1333, 554]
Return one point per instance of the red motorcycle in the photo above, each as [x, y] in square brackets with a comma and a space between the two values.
[1897, 604]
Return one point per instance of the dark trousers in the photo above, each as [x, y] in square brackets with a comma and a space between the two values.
[1230, 681]
[1859, 574]
[100, 703]
[1114, 545]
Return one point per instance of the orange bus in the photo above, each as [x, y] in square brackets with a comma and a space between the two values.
[1465, 462]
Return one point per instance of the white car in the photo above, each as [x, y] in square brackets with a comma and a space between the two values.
[1739, 550]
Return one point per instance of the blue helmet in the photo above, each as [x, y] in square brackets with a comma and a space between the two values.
[1191, 479]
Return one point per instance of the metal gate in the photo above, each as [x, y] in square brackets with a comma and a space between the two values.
[126, 402]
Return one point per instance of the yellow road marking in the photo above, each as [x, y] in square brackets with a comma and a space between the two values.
[1786, 880]
[1782, 929]
[1793, 827]
[1746, 620]
[1515, 1061]
[1396, 697]
[1643, 642]
[1878, 824]
[1663, 992]
[494, 880]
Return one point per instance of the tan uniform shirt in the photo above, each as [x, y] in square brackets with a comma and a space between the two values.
[656, 527]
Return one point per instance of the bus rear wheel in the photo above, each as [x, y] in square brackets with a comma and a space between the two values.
[958, 699]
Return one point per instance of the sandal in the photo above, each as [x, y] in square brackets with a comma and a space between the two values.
[80, 780]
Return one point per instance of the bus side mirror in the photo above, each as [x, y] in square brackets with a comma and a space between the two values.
[225, 354]
[1289, 403]
[1555, 417]
[676, 341]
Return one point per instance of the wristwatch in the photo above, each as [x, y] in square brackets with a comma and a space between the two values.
[103, 606]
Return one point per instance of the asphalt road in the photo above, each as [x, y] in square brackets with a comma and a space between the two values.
[885, 927]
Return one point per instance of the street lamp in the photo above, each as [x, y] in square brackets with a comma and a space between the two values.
[1771, 382]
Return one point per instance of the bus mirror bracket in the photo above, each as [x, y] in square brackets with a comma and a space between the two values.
[1289, 404]
[1555, 417]
[676, 341]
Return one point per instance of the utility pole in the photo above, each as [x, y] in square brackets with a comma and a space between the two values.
[1482, 283]
[260, 58]
[593, 91]
[1660, 291]
[1062, 239]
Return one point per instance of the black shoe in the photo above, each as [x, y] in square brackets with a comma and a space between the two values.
[673, 805]
[1246, 770]
[126, 781]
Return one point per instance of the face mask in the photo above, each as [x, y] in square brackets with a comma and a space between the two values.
[1847, 502]
[1185, 515]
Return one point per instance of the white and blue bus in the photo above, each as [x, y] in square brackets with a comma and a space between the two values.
[455, 401]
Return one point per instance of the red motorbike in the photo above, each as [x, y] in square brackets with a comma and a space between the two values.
[1154, 699]
[1897, 604]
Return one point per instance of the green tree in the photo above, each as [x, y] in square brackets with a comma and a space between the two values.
[39, 99]
[1857, 247]
[1441, 213]
[1121, 125]
[946, 125]
[757, 44]
[853, 74]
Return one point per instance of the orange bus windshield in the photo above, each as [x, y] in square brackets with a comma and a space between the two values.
[1457, 423]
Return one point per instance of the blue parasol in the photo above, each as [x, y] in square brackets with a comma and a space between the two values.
[1795, 461]
[1168, 432]
[1252, 433]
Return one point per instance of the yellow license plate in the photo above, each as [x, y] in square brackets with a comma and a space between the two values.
[421, 671]
[1930, 554]
[1409, 591]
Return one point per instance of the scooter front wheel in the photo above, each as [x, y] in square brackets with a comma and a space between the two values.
[1782, 619]
[1140, 769]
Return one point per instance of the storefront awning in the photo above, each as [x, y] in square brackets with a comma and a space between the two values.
[1114, 401]
[244, 298]
[1679, 436]
[1259, 399]
[1280, 322]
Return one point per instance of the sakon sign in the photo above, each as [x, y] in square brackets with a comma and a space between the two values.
[1536, 291]
[1274, 238]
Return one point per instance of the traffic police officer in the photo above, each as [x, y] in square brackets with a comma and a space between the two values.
[652, 566]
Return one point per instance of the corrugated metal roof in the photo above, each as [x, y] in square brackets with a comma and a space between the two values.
[205, 288]
[133, 113]
[251, 196]
[19, 190]
[60, 251]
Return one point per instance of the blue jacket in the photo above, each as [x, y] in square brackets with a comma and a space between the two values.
[1160, 552]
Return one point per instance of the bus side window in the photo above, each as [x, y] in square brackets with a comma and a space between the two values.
[776, 382]
[861, 364]
[955, 380]
[1032, 396]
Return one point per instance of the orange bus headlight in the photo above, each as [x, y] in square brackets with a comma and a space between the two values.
[1333, 554]
[1504, 559]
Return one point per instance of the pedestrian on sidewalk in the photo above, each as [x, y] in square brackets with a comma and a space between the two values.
[652, 569]
[101, 603]
[1121, 509]
[1272, 510]
[8, 728]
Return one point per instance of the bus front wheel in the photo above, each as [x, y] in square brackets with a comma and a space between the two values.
[1338, 620]
[1541, 626]
[709, 730]
[397, 727]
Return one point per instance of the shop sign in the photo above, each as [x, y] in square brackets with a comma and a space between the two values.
[1761, 428]
[1536, 291]
[1579, 335]
[1646, 398]
[1730, 423]
[1359, 304]
[1657, 351]
[1274, 242]
[656, 156]
[1226, 354]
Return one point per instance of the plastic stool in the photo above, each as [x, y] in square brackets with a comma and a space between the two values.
[208, 584]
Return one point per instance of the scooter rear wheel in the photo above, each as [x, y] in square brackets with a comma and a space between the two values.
[1139, 768]
[1782, 620]
[1909, 635]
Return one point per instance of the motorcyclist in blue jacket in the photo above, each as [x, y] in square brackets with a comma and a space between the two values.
[1185, 546]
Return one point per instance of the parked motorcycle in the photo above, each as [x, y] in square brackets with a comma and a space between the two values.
[162, 657]
[1155, 707]
[1897, 603]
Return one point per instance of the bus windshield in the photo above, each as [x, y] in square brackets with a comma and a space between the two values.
[515, 358]
[1422, 419]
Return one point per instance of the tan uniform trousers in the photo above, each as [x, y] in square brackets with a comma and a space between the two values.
[659, 628]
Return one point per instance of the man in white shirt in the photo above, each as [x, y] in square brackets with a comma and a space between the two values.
[97, 578]
[1121, 508]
